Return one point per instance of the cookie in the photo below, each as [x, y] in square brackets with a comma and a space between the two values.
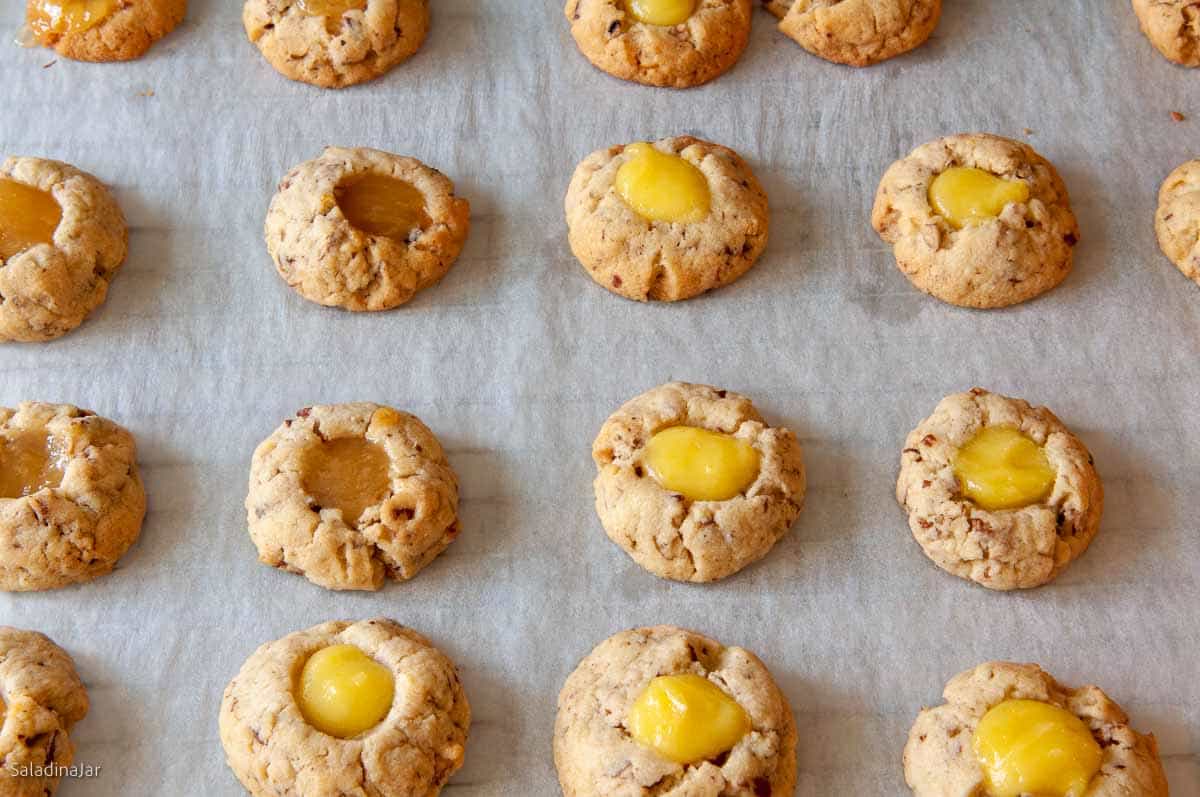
[362, 229]
[778, 7]
[858, 32]
[643, 254]
[1016, 235]
[599, 751]
[694, 42]
[1177, 221]
[336, 43]
[101, 30]
[41, 699]
[940, 758]
[1172, 26]
[666, 517]
[348, 495]
[410, 745]
[959, 498]
[71, 497]
[62, 239]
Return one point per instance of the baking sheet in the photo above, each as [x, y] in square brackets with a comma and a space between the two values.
[516, 358]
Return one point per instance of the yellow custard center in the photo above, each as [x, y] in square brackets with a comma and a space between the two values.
[964, 195]
[663, 187]
[1027, 747]
[50, 18]
[344, 692]
[28, 217]
[29, 462]
[332, 10]
[1000, 468]
[661, 12]
[686, 719]
[382, 205]
[348, 473]
[701, 465]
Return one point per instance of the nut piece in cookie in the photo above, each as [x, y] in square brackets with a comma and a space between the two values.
[336, 43]
[858, 32]
[674, 43]
[666, 221]
[363, 229]
[348, 495]
[693, 484]
[71, 498]
[352, 708]
[663, 705]
[977, 220]
[62, 239]
[1173, 27]
[997, 491]
[1008, 729]
[1177, 221]
[101, 30]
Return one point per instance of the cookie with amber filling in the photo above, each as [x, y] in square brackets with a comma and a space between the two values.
[101, 30]
[974, 743]
[675, 43]
[1177, 221]
[977, 220]
[62, 239]
[349, 495]
[369, 707]
[693, 484]
[336, 43]
[857, 32]
[666, 221]
[1173, 27]
[997, 491]
[663, 710]
[71, 497]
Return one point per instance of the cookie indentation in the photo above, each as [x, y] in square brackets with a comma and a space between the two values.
[28, 217]
[662, 186]
[661, 12]
[29, 462]
[349, 474]
[965, 195]
[344, 692]
[1000, 468]
[382, 205]
[701, 465]
[1033, 747]
[687, 718]
[51, 18]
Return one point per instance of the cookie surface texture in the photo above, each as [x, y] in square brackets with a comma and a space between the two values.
[1173, 27]
[860, 32]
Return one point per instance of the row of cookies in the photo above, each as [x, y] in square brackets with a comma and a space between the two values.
[372, 707]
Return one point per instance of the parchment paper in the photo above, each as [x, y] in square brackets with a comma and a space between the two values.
[516, 358]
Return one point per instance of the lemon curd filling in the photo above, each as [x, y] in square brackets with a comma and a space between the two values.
[701, 465]
[29, 462]
[662, 187]
[661, 12]
[28, 217]
[964, 195]
[344, 692]
[347, 473]
[49, 18]
[382, 205]
[1001, 468]
[686, 718]
[1026, 747]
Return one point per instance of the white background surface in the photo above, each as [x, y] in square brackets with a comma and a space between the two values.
[516, 358]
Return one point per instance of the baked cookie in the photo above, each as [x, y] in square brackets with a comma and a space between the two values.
[1173, 26]
[977, 220]
[336, 43]
[997, 724]
[997, 491]
[664, 711]
[363, 229]
[693, 484]
[71, 498]
[101, 30]
[858, 32]
[666, 221]
[62, 239]
[1177, 221]
[675, 43]
[346, 708]
[350, 494]
[41, 698]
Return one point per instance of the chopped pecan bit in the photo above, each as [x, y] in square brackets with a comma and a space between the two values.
[928, 440]
[923, 523]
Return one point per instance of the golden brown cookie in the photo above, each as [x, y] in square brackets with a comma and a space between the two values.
[1177, 221]
[1173, 27]
[102, 30]
[859, 32]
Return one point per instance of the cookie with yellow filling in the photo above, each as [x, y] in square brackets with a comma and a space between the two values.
[977, 220]
[666, 221]
[71, 497]
[662, 710]
[1177, 220]
[349, 495]
[1008, 730]
[857, 32]
[675, 43]
[367, 707]
[336, 43]
[363, 229]
[693, 484]
[101, 30]
[41, 699]
[997, 491]
[1173, 27]
[62, 240]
